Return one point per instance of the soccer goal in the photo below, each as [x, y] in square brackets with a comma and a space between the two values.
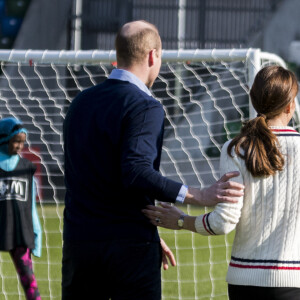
[205, 94]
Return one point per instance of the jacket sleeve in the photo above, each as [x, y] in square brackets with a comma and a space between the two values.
[224, 218]
[37, 251]
[141, 150]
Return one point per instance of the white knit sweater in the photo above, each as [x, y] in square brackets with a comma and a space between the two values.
[266, 248]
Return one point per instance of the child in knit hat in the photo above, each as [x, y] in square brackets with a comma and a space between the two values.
[20, 230]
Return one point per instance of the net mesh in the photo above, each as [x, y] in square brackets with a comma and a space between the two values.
[205, 101]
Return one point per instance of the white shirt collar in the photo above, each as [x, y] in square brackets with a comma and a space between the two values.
[124, 75]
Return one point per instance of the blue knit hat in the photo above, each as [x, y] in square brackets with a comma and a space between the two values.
[9, 127]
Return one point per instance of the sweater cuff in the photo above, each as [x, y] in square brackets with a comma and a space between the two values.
[202, 225]
[171, 191]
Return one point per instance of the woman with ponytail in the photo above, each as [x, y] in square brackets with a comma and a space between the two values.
[273, 97]
[265, 258]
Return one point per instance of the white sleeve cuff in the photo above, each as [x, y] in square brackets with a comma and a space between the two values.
[182, 193]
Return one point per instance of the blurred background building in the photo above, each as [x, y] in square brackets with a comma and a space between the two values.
[272, 25]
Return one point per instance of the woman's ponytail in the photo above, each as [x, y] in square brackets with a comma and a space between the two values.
[258, 146]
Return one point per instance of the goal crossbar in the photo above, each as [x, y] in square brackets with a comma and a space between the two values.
[96, 56]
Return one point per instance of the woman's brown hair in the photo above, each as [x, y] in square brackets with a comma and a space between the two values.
[274, 88]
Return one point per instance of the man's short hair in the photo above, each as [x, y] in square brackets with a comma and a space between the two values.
[133, 48]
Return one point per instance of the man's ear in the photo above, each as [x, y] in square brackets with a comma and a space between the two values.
[151, 57]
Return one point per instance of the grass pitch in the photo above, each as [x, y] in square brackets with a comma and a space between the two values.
[200, 272]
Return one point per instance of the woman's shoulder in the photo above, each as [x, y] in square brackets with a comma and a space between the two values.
[226, 144]
[225, 147]
[232, 151]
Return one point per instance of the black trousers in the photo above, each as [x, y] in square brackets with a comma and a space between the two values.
[117, 270]
[241, 292]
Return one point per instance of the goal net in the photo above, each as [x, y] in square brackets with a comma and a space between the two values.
[205, 94]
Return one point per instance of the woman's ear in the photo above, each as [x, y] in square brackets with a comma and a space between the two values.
[287, 109]
[290, 107]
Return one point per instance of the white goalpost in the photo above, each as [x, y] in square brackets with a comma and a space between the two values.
[205, 94]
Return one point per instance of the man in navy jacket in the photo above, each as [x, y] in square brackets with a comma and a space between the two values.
[113, 135]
